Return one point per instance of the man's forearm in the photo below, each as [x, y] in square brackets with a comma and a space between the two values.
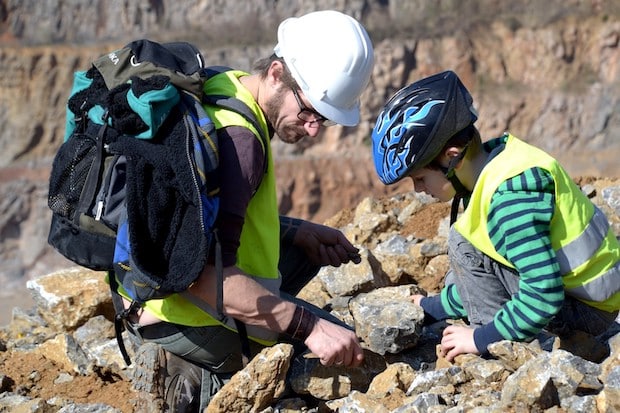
[248, 301]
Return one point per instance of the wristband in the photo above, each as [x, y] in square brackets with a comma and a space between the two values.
[301, 324]
[288, 228]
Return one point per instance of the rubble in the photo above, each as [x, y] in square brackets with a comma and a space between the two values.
[70, 328]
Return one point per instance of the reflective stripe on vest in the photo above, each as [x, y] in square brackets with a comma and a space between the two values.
[579, 250]
[599, 289]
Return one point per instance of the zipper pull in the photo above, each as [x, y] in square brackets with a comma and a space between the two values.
[99, 210]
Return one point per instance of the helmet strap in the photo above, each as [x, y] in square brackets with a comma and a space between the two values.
[461, 190]
[454, 208]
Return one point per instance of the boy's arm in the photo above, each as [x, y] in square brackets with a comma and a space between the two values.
[519, 225]
[445, 305]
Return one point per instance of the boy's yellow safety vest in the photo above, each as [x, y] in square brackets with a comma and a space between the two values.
[587, 250]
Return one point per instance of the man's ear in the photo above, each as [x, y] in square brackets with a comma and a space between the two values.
[274, 74]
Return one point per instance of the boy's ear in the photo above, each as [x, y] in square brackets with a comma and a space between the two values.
[452, 156]
[452, 152]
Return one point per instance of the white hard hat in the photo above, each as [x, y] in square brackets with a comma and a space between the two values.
[331, 57]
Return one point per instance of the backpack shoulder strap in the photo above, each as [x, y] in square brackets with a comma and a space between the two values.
[232, 103]
[238, 106]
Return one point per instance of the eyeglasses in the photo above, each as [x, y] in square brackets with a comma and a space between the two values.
[310, 115]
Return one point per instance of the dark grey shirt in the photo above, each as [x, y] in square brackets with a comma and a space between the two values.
[242, 167]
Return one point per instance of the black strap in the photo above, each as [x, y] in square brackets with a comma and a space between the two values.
[454, 209]
[219, 272]
[238, 106]
[120, 316]
[245, 342]
[234, 104]
[461, 190]
[219, 311]
[211, 71]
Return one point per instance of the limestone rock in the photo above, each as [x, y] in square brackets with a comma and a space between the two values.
[256, 386]
[387, 320]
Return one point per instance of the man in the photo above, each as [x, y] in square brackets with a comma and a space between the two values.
[321, 65]
[529, 252]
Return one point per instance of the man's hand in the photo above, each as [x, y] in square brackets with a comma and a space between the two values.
[334, 345]
[325, 245]
[457, 340]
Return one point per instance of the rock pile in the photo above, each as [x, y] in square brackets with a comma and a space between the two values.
[403, 241]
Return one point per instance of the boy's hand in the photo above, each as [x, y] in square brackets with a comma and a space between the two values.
[457, 340]
[417, 298]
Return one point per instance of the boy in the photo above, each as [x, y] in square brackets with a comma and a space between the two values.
[529, 252]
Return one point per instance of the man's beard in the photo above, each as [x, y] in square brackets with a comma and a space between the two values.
[287, 133]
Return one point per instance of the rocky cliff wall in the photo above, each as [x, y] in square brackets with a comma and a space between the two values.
[549, 73]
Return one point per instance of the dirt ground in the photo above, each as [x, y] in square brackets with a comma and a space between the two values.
[35, 376]
[424, 223]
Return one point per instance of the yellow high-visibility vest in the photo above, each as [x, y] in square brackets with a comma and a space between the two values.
[259, 249]
[586, 248]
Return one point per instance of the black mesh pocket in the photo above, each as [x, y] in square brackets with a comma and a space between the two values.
[69, 173]
[75, 231]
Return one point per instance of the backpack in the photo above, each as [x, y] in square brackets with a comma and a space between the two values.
[137, 173]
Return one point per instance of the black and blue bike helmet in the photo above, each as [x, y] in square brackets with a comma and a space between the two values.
[417, 122]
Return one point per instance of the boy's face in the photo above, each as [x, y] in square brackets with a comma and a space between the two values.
[434, 183]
